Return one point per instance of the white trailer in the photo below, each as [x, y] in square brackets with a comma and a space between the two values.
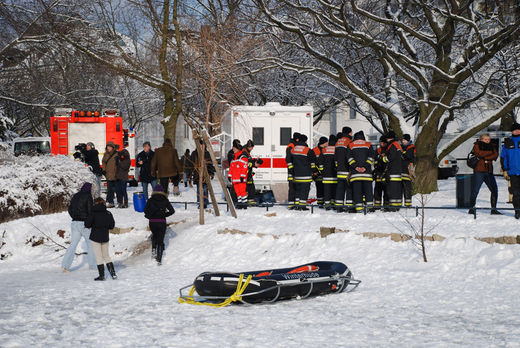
[270, 127]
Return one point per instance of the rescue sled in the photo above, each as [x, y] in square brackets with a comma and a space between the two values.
[312, 279]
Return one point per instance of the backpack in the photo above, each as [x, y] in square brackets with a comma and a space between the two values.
[472, 160]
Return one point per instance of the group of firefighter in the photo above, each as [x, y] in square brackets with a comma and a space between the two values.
[343, 167]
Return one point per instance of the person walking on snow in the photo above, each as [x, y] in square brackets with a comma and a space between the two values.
[144, 162]
[510, 160]
[157, 209]
[101, 221]
[486, 153]
[80, 208]
[123, 167]
[109, 171]
[166, 166]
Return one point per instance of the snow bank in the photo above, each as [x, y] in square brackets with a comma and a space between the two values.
[38, 185]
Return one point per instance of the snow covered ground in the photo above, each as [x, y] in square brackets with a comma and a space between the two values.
[466, 295]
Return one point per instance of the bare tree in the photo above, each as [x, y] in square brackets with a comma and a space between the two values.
[434, 58]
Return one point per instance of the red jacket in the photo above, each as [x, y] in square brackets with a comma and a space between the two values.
[238, 168]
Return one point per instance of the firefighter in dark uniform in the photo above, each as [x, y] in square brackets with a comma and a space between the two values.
[318, 179]
[304, 162]
[360, 160]
[290, 170]
[407, 168]
[343, 191]
[327, 168]
[393, 159]
[380, 195]
[251, 190]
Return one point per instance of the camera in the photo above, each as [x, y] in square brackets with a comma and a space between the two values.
[79, 155]
[81, 147]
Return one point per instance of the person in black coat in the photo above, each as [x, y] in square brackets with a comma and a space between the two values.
[80, 208]
[144, 162]
[157, 209]
[101, 222]
[91, 159]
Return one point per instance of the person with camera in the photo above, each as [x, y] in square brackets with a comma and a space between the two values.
[486, 152]
[91, 159]
[109, 171]
[144, 162]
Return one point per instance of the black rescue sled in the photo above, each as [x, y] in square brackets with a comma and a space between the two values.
[312, 279]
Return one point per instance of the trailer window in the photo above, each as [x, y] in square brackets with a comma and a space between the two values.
[258, 135]
[285, 135]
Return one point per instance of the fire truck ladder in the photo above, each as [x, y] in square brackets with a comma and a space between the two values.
[63, 137]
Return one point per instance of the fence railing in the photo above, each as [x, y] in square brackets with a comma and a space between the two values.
[366, 209]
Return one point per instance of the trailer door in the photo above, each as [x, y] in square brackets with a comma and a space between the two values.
[282, 128]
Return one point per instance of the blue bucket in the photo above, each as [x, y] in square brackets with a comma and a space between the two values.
[139, 202]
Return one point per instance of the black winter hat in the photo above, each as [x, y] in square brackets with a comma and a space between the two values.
[339, 135]
[250, 143]
[359, 135]
[236, 144]
[322, 141]
[382, 139]
[296, 135]
[346, 131]
[303, 137]
[407, 137]
[515, 126]
[390, 135]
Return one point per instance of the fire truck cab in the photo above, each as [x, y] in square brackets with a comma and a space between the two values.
[71, 128]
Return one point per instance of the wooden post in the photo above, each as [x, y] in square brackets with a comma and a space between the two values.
[211, 192]
[231, 206]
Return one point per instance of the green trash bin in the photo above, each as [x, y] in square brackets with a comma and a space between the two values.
[463, 189]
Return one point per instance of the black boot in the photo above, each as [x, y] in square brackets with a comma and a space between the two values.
[160, 249]
[494, 210]
[101, 270]
[111, 270]
[517, 214]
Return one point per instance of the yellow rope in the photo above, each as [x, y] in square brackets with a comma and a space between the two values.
[237, 295]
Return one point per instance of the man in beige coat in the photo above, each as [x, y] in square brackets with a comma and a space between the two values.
[166, 165]
[109, 171]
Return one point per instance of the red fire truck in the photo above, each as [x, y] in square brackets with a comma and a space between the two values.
[70, 128]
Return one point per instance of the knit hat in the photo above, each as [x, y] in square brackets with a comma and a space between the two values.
[382, 139]
[359, 135]
[407, 137]
[296, 135]
[236, 144]
[87, 187]
[91, 144]
[515, 126]
[303, 137]
[158, 188]
[250, 143]
[322, 141]
[339, 135]
[111, 144]
[346, 131]
[390, 135]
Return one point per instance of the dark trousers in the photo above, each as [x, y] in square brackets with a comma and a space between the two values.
[491, 183]
[343, 194]
[158, 231]
[515, 190]
[165, 182]
[407, 192]
[319, 192]
[362, 189]
[301, 190]
[204, 193]
[111, 189]
[251, 194]
[329, 192]
[395, 195]
[380, 194]
[121, 193]
[292, 194]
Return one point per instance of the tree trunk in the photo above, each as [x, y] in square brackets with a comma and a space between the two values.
[170, 116]
[426, 174]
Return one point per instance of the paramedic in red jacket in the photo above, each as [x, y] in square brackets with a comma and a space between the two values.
[238, 176]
